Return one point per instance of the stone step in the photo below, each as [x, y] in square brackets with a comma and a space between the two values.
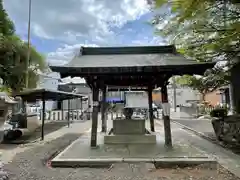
[130, 139]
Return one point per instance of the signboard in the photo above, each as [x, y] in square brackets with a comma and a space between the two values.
[136, 99]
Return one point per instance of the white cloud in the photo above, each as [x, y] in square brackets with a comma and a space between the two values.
[74, 80]
[149, 41]
[64, 54]
[68, 20]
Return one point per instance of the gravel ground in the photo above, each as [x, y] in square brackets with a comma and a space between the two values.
[48, 128]
[31, 165]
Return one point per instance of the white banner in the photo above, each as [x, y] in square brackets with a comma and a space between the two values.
[136, 99]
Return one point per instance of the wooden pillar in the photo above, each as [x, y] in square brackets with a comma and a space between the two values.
[81, 108]
[24, 106]
[95, 96]
[43, 116]
[103, 110]
[150, 101]
[62, 111]
[68, 118]
[166, 116]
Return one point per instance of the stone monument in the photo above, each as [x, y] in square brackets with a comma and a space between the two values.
[129, 130]
[6, 102]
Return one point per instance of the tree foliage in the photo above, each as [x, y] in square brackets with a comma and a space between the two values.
[13, 57]
[6, 27]
[203, 30]
[209, 82]
[196, 83]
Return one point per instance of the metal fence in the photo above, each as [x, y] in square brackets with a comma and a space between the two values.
[58, 115]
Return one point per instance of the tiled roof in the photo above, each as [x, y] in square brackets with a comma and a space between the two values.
[128, 57]
[140, 59]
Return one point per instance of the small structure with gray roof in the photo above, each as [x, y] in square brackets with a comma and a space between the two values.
[143, 66]
[33, 95]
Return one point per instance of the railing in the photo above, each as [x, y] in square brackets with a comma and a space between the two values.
[59, 115]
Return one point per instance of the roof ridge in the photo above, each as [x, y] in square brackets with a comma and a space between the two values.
[127, 50]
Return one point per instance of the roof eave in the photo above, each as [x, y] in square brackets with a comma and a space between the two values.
[198, 68]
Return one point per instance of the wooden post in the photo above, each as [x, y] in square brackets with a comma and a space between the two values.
[68, 119]
[95, 96]
[103, 109]
[81, 109]
[54, 116]
[62, 112]
[77, 114]
[150, 101]
[24, 106]
[43, 116]
[166, 116]
[81, 104]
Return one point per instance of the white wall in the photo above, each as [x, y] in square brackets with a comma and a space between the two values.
[183, 94]
[75, 103]
[49, 81]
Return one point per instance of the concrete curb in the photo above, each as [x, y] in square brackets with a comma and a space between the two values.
[95, 163]
[185, 162]
[158, 162]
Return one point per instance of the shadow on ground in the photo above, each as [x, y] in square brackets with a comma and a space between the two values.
[205, 127]
[31, 164]
[48, 128]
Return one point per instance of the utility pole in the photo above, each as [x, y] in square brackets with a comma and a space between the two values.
[28, 42]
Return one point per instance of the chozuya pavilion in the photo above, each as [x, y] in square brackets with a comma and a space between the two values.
[141, 66]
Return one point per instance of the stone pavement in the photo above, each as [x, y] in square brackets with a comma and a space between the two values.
[201, 126]
[9, 151]
[180, 136]
[226, 158]
[79, 152]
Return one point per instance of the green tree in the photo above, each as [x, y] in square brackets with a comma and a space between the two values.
[196, 83]
[211, 80]
[13, 56]
[203, 30]
[6, 26]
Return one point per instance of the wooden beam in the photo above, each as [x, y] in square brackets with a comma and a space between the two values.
[197, 68]
[62, 111]
[150, 101]
[95, 95]
[68, 119]
[127, 89]
[43, 116]
[103, 109]
[166, 116]
[81, 105]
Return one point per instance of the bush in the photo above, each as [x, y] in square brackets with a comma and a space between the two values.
[219, 112]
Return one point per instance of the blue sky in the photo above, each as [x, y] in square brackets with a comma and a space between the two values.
[136, 32]
[60, 27]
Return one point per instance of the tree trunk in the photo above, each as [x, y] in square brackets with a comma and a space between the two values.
[202, 98]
